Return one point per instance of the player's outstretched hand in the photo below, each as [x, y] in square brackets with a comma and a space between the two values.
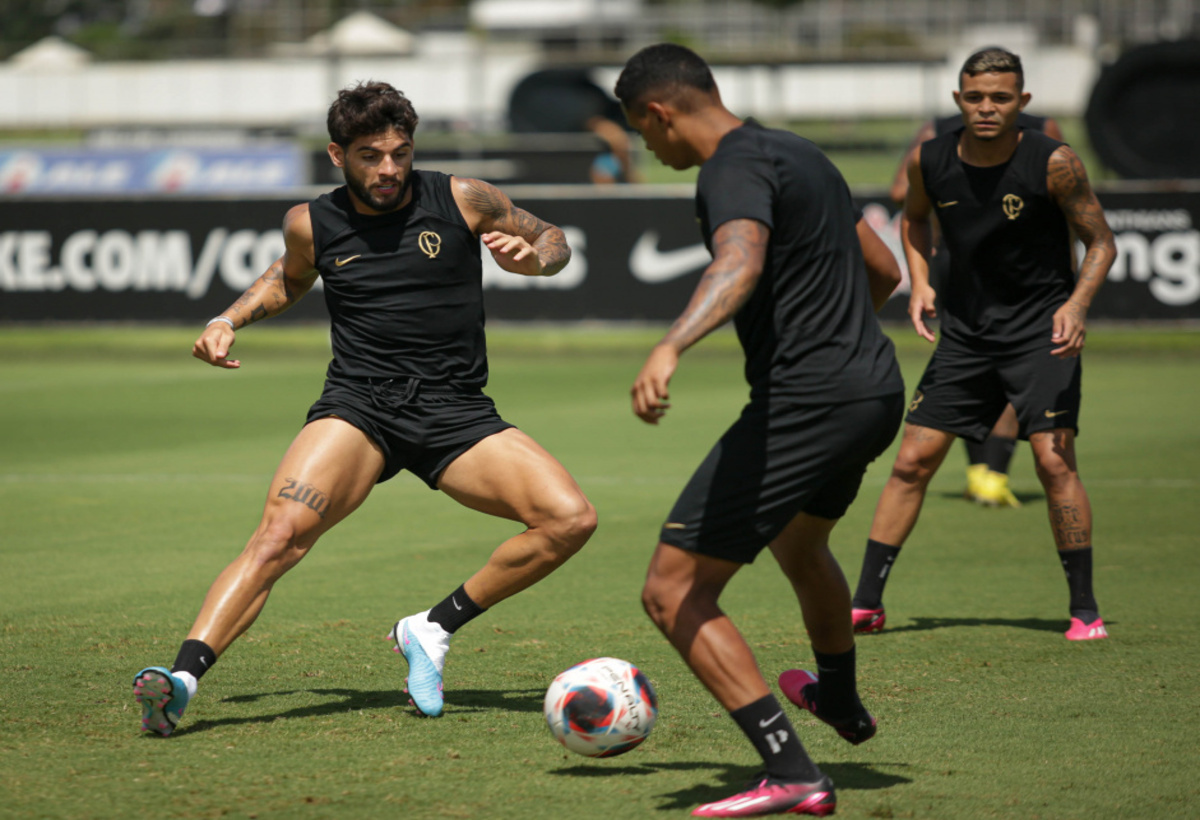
[513, 253]
[649, 390]
[213, 346]
[1070, 329]
[920, 305]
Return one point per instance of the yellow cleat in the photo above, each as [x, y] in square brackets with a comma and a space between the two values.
[993, 491]
[975, 477]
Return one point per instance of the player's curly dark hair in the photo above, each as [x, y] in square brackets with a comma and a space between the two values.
[664, 69]
[369, 108]
[994, 59]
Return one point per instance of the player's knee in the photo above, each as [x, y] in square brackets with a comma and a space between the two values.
[658, 600]
[571, 525]
[911, 469]
[1053, 471]
[278, 544]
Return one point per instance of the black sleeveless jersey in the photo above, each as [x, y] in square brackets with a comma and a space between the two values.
[945, 125]
[1010, 251]
[404, 289]
[809, 329]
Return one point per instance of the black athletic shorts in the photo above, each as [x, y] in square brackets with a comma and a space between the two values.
[779, 459]
[418, 427]
[964, 390]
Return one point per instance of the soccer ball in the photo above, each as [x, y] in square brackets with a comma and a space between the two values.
[601, 708]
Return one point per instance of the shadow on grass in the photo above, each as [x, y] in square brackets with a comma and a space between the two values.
[1036, 624]
[731, 779]
[355, 700]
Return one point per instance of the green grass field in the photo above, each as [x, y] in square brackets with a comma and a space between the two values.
[130, 474]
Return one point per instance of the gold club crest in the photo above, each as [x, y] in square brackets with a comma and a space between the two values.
[429, 243]
[1013, 205]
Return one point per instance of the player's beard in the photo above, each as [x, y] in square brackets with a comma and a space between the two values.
[372, 201]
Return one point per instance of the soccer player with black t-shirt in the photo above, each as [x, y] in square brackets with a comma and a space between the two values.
[988, 460]
[399, 253]
[825, 400]
[1013, 318]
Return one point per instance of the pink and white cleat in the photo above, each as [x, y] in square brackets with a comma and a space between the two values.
[773, 796]
[1080, 631]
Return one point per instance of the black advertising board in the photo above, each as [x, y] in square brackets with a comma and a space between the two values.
[635, 257]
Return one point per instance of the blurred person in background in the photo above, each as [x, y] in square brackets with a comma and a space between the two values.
[1013, 319]
[988, 461]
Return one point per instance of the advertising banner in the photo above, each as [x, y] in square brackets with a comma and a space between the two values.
[635, 258]
[170, 171]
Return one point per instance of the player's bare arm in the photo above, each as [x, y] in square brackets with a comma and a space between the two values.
[899, 189]
[739, 252]
[284, 283]
[916, 232]
[883, 271]
[1068, 184]
[518, 240]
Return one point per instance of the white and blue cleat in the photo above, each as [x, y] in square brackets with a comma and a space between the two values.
[423, 645]
[163, 698]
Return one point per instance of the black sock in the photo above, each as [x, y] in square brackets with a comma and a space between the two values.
[976, 452]
[456, 611]
[1078, 566]
[877, 563]
[998, 453]
[195, 658]
[837, 687]
[768, 728]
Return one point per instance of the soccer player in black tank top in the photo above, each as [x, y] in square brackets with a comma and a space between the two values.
[399, 253]
[1013, 319]
[988, 460]
[799, 274]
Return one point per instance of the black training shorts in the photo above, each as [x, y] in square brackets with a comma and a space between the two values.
[964, 390]
[779, 459]
[419, 428]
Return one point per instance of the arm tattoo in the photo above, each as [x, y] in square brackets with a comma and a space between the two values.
[499, 214]
[1068, 184]
[739, 251]
[270, 295]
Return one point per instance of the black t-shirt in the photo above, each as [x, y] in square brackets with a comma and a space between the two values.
[404, 289]
[1009, 244]
[809, 329]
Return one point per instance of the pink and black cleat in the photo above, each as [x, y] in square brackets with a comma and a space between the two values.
[770, 795]
[800, 687]
[1080, 631]
[867, 620]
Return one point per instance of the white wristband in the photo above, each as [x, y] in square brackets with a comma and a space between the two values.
[224, 319]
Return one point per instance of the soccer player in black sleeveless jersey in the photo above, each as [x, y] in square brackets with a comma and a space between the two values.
[800, 275]
[988, 461]
[1013, 318]
[399, 253]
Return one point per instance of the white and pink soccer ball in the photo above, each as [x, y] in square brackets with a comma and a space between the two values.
[601, 708]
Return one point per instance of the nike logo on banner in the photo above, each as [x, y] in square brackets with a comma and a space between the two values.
[1051, 415]
[765, 723]
[652, 266]
[347, 260]
[454, 601]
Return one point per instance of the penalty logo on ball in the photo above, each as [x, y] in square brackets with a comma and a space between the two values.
[601, 708]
